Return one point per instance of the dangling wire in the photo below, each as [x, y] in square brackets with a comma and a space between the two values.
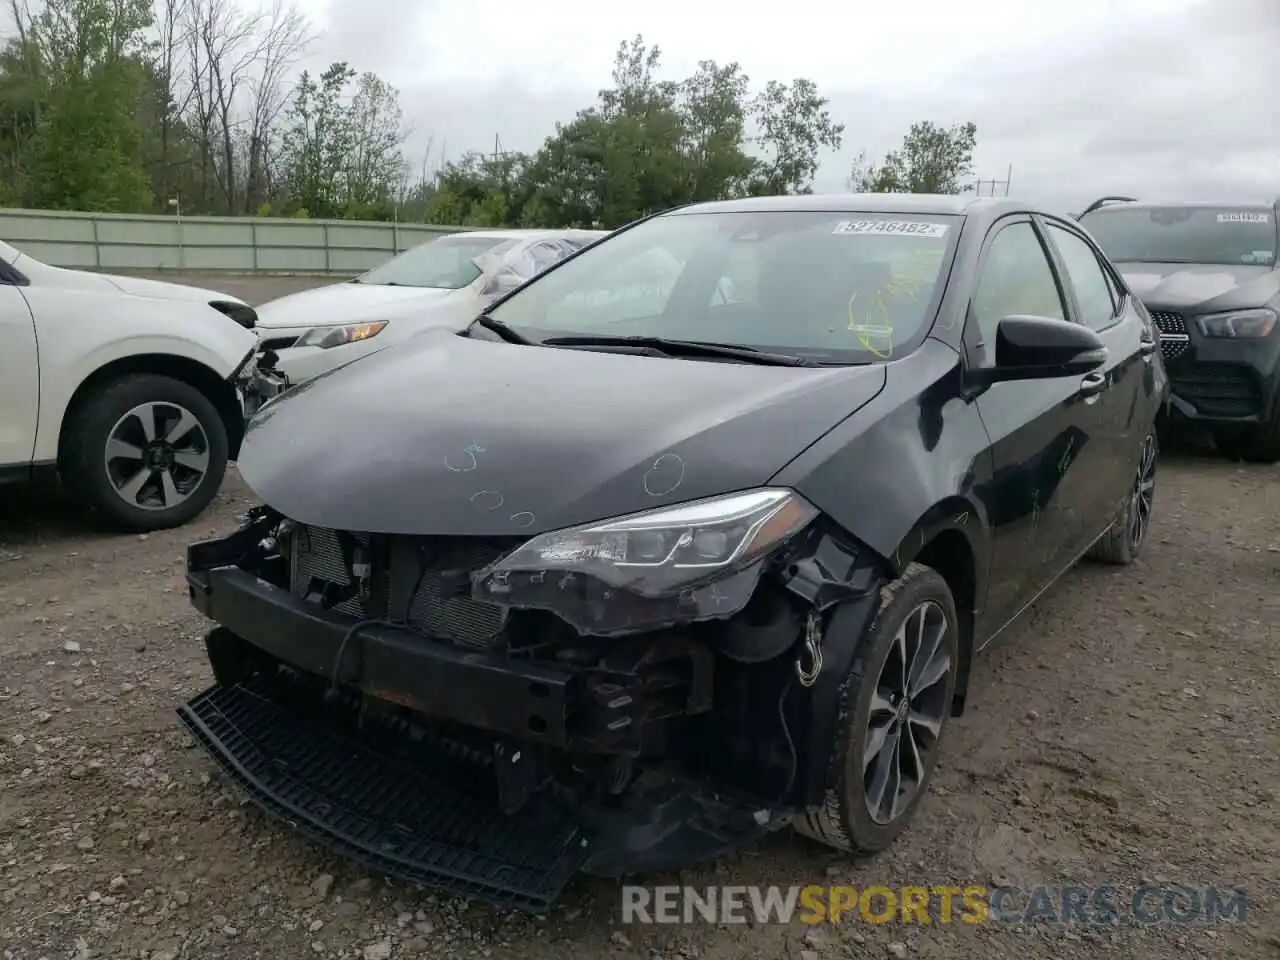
[808, 676]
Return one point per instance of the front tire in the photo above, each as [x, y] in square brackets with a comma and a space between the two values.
[144, 452]
[1123, 541]
[897, 699]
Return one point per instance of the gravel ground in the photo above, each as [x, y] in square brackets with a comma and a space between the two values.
[1126, 731]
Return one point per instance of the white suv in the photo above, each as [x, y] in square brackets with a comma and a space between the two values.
[441, 283]
[134, 392]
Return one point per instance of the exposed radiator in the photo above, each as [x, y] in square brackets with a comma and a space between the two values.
[441, 605]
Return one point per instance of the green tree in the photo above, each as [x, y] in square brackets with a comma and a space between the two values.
[568, 175]
[375, 167]
[637, 137]
[932, 159]
[86, 150]
[713, 108]
[651, 144]
[480, 191]
[104, 106]
[795, 126]
[319, 141]
[22, 88]
[341, 153]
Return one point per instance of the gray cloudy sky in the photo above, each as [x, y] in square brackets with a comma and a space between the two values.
[1157, 97]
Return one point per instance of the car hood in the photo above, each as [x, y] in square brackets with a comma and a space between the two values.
[453, 436]
[348, 303]
[68, 279]
[1201, 288]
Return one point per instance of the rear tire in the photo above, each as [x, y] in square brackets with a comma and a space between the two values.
[144, 452]
[858, 815]
[1123, 541]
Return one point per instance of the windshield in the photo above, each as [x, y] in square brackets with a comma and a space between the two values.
[842, 287]
[445, 264]
[1206, 235]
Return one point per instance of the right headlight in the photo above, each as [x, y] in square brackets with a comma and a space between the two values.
[326, 337]
[1238, 323]
[691, 561]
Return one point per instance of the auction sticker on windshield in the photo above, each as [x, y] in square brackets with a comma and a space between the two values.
[901, 228]
[1244, 218]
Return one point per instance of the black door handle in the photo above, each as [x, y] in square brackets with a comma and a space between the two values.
[1092, 385]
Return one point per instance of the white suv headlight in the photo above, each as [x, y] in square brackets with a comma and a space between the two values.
[326, 337]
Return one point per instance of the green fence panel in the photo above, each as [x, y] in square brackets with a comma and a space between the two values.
[132, 242]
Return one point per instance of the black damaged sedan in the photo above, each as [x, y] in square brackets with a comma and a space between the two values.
[690, 539]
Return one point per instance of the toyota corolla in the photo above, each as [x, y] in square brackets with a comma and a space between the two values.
[691, 538]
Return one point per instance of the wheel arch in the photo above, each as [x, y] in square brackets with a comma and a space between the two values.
[951, 538]
[218, 389]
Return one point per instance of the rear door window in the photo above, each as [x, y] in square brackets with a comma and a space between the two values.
[1098, 305]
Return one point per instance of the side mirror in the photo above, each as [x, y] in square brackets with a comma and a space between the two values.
[1040, 348]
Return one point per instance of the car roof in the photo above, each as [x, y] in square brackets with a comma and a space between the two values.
[525, 234]
[936, 204]
[1119, 203]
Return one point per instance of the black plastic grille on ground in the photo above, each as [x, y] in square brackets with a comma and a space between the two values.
[417, 815]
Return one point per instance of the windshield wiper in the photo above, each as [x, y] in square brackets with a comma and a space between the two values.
[507, 333]
[685, 348]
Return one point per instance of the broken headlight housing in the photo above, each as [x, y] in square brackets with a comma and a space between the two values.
[693, 561]
[1238, 323]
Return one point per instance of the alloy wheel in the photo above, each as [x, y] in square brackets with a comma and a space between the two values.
[1143, 496]
[156, 456]
[907, 711]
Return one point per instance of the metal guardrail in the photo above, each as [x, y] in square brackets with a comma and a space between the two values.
[252, 245]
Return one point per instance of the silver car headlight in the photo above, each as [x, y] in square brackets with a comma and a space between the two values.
[1253, 324]
[692, 561]
[326, 337]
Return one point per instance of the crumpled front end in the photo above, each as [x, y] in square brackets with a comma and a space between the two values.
[258, 381]
[371, 692]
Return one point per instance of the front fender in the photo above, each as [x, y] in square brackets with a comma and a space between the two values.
[79, 335]
[906, 466]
